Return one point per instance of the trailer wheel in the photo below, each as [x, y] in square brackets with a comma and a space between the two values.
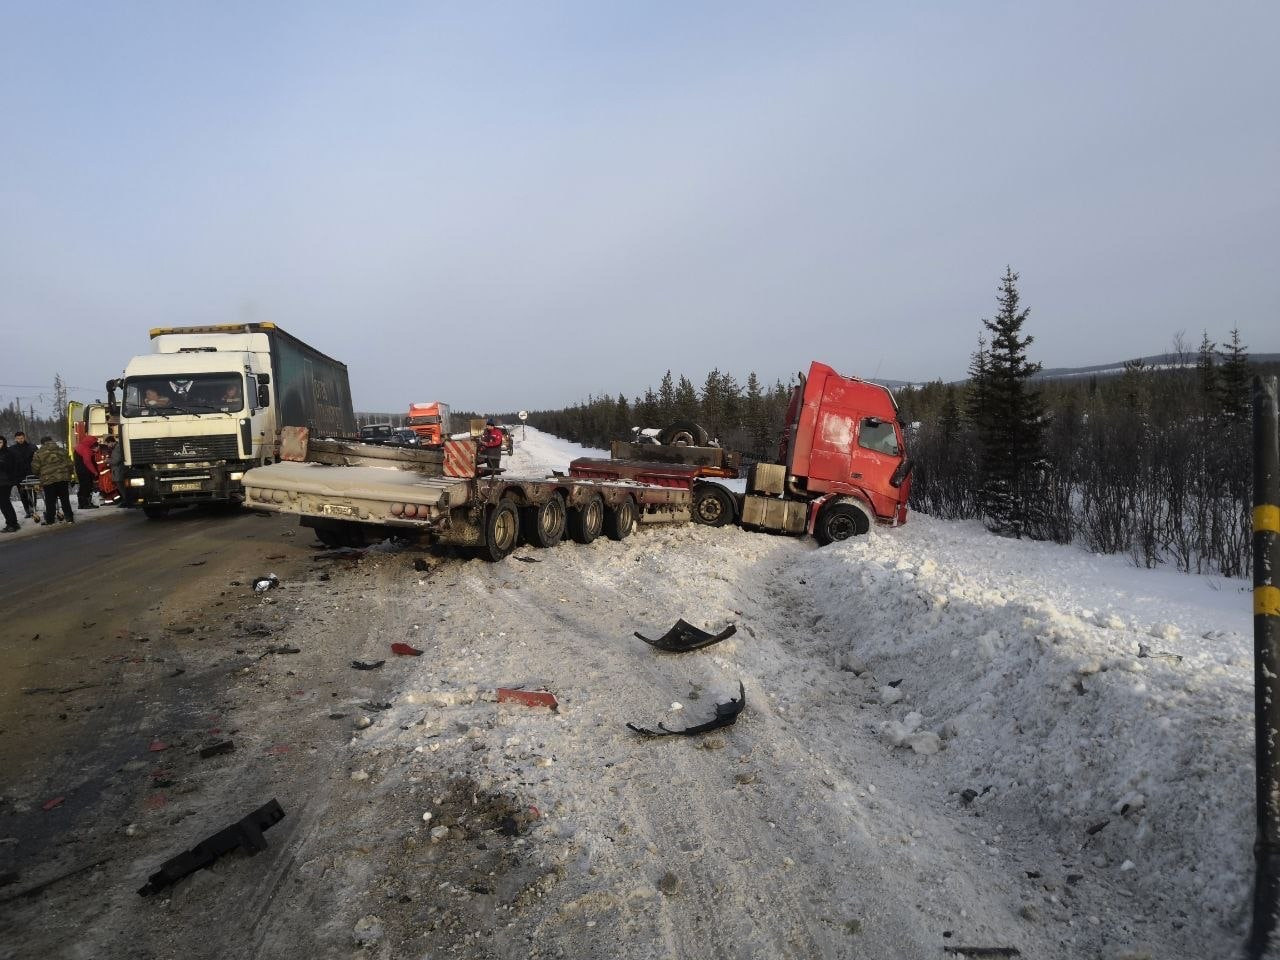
[543, 525]
[621, 520]
[328, 536]
[501, 531]
[155, 513]
[683, 433]
[586, 522]
[839, 521]
[712, 505]
[352, 534]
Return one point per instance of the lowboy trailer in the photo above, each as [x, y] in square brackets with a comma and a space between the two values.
[353, 493]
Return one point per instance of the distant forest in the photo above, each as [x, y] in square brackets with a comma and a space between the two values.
[1154, 462]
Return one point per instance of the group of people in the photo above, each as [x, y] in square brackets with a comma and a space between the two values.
[55, 471]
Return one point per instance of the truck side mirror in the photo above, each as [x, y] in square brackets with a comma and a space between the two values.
[264, 394]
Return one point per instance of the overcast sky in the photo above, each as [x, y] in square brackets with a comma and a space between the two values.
[506, 206]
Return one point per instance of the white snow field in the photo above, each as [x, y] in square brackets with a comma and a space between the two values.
[1036, 745]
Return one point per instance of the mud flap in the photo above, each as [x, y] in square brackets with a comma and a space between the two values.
[684, 636]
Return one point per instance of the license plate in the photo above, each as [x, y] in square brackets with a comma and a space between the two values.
[183, 487]
[338, 510]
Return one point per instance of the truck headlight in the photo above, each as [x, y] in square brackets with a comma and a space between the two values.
[235, 476]
[137, 481]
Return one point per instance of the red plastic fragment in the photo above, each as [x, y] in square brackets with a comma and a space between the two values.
[50, 804]
[155, 801]
[530, 698]
[279, 749]
[404, 650]
[157, 746]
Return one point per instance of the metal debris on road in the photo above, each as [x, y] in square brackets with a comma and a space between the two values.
[684, 636]
[366, 664]
[245, 833]
[726, 716]
[530, 698]
[214, 749]
[404, 650]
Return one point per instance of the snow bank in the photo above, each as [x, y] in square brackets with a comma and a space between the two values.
[1024, 660]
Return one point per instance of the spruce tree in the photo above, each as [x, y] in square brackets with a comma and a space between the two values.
[1011, 438]
[1234, 381]
[1206, 371]
[686, 400]
[666, 400]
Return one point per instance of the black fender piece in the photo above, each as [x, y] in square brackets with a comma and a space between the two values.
[246, 833]
[684, 636]
[726, 716]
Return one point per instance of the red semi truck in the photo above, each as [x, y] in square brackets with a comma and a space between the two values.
[843, 465]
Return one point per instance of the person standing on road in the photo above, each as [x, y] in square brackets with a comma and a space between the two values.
[491, 444]
[23, 451]
[8, 467]
[86, 471]
[52, 465]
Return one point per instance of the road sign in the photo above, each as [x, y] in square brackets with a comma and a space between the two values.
[523, 414]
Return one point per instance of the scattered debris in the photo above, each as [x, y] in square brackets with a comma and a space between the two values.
[368, 931]
[281, 650]
[50, 804]
[363, 723]
[157, 746]
[726, 716]
[684, 636]
[530, 698]
[527, 559]
[421, 565]
[1097, 827]
[246, 833]
[984, 951]
[377, 705]
[197, 563]
[404, 650]
[215, 749]
[968, 795]
[269, 582]
[79, 686]
[1144, 653]
[367, 665]
[338, 716]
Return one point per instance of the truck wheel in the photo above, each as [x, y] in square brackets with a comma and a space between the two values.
[501, 531]
[543, 525]
[839, 521]
[621, 520]
[352, 534]
[684, 433]
[155, 513]
[328, 536]
[586, 522]
[711, 505]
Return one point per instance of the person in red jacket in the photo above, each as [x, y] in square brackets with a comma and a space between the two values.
[86, 471]
[491, 444]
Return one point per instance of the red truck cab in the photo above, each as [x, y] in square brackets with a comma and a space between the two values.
[430, 421]
[843, 439]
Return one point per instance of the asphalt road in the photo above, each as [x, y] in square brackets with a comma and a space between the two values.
[99, 624]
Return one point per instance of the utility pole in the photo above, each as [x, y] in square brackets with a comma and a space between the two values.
[1266, 661]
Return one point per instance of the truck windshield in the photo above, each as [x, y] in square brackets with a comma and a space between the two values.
[423, 420]
[165, 395]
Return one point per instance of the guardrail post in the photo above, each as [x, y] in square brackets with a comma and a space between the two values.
[1266, 661]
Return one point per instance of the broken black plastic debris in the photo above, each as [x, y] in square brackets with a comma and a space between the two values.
[366, 664]
[246, 833]
[984, 951]
[684, 636]
[527, 559]
[377, 705]
[214, 749]
[282, 650]
[726, 716]
[420, 565]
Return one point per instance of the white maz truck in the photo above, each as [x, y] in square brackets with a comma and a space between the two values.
[209, 403]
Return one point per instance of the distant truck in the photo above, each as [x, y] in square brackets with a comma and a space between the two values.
[209, 403]
[430, 421]
[844, 465]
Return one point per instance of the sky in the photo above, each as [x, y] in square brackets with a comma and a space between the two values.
[517, 205]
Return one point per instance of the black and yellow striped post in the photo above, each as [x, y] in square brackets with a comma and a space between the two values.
[1266, 660]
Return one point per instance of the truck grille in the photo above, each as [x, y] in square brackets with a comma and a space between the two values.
[177, 449]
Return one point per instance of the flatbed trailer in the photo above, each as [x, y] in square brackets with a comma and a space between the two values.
[352, 493]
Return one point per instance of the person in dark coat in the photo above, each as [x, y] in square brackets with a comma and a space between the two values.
[86, 462]
[53, 467]
[8, 467]
[23, 452]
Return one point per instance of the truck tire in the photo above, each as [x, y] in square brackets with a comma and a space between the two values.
[586, 522]
[328, 536]
[621, 520]
[683, 433]
[543, 525]
[839, 521]
[155, 513]
[711, 505]
[501, 531]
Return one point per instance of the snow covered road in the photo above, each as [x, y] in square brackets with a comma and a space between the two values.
[950, 739]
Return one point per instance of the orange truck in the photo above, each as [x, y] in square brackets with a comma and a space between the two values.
[430, 421]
